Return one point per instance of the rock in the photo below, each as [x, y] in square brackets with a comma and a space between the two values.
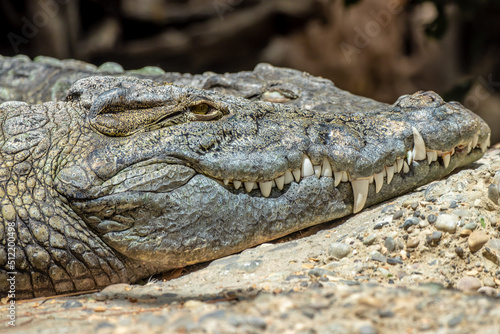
[412, 242]
[394, 260]
[367, 329]
[494, 244]
[423, 224]
[491, 255]
[377, 256]
[465, 232]
[398, 214]
[431, 218]
[468, 284]
[410, 222]
[339, 250]
[389, 244]
[470, 226]
[488, 281]
[477, 240]
[447, 223]
[493, 193]
[459, 251]
[488, 291]
[369, 240]
[453, 204]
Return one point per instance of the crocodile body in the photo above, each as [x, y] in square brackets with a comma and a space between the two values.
[128, 177]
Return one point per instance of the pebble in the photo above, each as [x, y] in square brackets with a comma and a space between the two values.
[394, 260]
[459, 251]
[468, 284]
[453, 204]
[412, 242]
[414, 205]
[447, 223]
[367, 329]
[398, 214]
[410, 222]
[423, 224]
[477, 240]
[339, 250]
[488, 291]
[470, 226]
[369, 239]
[493, 193]
[488, 281]
[390, 244]
[377, 256]
[431, 218]
[494, 244]
[465, 232]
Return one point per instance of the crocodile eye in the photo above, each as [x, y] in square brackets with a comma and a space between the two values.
[200, 109]
[204, 112]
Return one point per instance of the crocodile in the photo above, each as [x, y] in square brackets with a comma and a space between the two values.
[128, 177]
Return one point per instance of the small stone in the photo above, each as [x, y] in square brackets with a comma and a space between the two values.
[455, 320]
[414, 205]
[465, 232]
[410, 222]
[99, 296]
[488, 281]
[470, 226]
[389, 208]
[377, 256]
[431, 218]
[71, 304]
[468, 284]
[412, 242]
[398, 214]
[389, 244]
[453, 204]
[491, 255]
[447, 223]
[494, 244]
[339, 250]
[369, 240]
[416, 214]
[436, 235]
[367, 329]
[423, 224]
[394, 260]
[488, 291]
[459, 251]
[477, 240]
[493, 193]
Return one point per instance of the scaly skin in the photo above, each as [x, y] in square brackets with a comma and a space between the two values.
[129, 177]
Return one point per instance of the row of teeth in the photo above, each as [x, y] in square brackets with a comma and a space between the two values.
[360, 185]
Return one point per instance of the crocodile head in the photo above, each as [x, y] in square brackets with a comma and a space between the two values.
[169, 175]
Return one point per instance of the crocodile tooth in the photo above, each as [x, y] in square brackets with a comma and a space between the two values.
[255, 186]
[288, 177]
[419, 152]
[469, 147]
[475, 139]
[237, 184]
[484, 145]
[307, 166]
[326, 168]
[280, 182]
[249, 186]
[384, 172]
[406, 168]
[399, 165]
[370, 179]
[446, 159]
[338, 177]
[429, 157]
[360, 191]
[409, 157]
[390, 173]
[345, 177]
[379, 181]
[296, 175]
[226, 182]
[434, 155]
[317, 171]
[265, 188]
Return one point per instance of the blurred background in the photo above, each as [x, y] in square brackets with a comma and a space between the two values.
[376, 48]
